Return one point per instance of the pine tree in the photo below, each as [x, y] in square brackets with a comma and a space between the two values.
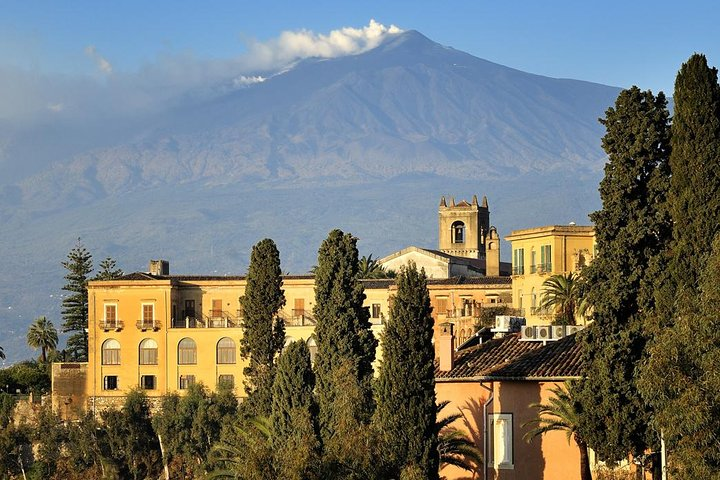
[343, 333]
[632, 230]
[109, 270]
[263, 330]
[680, 379]
[294, 415]
[406, 411]
[75, 305]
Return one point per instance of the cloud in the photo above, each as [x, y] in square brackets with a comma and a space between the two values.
[296, 45]
[55, 107]
[102, 63]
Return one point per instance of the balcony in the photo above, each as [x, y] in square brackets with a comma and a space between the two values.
[146, 324]
[108, 325]
[215, 319]
[298, 318]
[518, 270]
[544, 268]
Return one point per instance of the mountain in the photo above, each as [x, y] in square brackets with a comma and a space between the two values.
[367, 143]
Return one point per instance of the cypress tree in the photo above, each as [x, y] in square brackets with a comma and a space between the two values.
[75, 305]
[406, 411]
[683, 356]
[631, 232]
[343, 333]
[294, 415]
[263, 330]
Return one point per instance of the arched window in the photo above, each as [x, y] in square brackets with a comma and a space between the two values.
[187, 352]
[312, 346]
[111, 352]
[458, 232]
[226, 350]
[462, 336]
[148, 352]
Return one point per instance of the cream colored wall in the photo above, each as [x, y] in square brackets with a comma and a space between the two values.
[434, 267]
[564, 248]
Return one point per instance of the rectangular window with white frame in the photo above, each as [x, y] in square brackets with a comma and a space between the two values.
[500, 441]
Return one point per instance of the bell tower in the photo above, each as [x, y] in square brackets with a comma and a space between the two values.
[463, 227]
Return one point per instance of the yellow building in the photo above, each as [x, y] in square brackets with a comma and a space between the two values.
[537, 254]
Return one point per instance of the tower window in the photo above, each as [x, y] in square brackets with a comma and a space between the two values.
[458, 232]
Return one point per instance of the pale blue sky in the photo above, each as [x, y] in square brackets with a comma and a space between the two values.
[612, 42]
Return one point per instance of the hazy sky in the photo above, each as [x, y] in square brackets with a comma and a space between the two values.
[617, 43]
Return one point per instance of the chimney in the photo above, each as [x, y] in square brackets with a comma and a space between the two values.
[447, 346]
[159, 267]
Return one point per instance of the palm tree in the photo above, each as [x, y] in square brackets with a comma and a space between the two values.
[563, 293]
[245, 452]
[560, 414]
[42, 334]
[369, 267]
[454, 445]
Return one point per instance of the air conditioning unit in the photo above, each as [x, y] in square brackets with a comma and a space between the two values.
[573, 329]
[558, 331]
[502, 323]
[543, 332]
[527, 333]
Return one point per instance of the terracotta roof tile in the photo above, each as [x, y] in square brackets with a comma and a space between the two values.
[510, 358]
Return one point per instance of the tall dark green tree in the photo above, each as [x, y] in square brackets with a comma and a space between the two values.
[109, 270]
[294, 415]
[674, 378]
[343, 333]
[631, 230]
[75, 305]
[264, 330]
[406, 384]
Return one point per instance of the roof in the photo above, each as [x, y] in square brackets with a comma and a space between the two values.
[567, 230]
[509, 358]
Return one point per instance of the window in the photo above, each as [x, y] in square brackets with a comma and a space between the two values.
[312, 346]
[147, 382]
[110, 320]
[226, 350]
[186, 381]
[226, 380]
[545, 259]
[375, 310]
[533, 301]
[187, 352]
[501, 440]
[458, 232]
[519, 261]
[441, 305]
[148, 352]
[533, 261]
[148, 313]
[111, 352]
[110, 382]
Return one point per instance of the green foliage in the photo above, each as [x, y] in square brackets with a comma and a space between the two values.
[29, 376]
[131, 438]
[369, 267]
[7, 406]
[406, 383]
[562, 293]
[2, 353]
[190, 425]
[561, 413]
[75, 304]
[488, 314]
[15, 451]
[245, 451]
[264, 330]
[343, 334]
[687, 400]
[678, 379]
[454, 446]
[49, 437]
[42, 334]
[109, 270]
[632, 231]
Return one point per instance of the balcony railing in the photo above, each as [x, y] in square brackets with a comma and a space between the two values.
[298, 317]
[146, 324]
[518, 270]
[108, 325]
[544, 267]
[215, 319]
